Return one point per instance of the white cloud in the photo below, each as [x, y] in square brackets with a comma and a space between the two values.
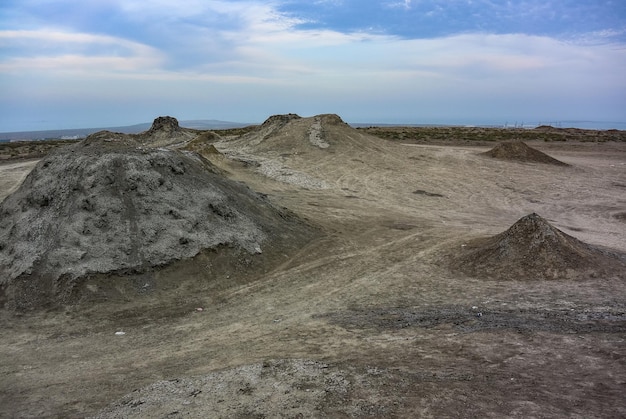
[250, 51]
[405, 4]
[272, 51]
[54, 50]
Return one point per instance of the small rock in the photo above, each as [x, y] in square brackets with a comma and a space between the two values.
[120, 333]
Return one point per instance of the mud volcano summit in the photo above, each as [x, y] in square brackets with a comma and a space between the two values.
[117, 204]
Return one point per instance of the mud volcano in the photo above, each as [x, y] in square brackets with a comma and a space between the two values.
[109, 206]
[534, 249]
[520, 151]
[292, 133]
[164, 132]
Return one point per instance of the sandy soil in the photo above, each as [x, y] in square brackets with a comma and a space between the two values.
[368, 320]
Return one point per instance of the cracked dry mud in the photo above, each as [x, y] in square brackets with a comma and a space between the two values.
[371, 318]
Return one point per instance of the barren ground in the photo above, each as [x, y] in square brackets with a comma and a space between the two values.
[367, 320]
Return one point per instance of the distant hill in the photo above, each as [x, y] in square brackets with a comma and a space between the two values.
[76, 133]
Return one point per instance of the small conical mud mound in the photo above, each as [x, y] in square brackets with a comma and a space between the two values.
[534, 249]
[519, 151]
[94, 208]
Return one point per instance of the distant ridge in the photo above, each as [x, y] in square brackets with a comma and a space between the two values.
[200, 124]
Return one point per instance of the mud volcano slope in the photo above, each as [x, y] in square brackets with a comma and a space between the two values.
[291, 133]
[519, 151]
[102, 206]
[534, 249]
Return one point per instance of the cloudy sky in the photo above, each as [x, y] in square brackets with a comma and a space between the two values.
[86, 63]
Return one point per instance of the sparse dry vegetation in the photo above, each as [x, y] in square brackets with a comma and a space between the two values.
[23, 150]
[485, 136]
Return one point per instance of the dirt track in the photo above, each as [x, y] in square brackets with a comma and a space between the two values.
[373, 301]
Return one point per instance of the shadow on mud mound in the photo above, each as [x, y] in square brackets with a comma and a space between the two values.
[519, 151]
[533, 249]
[478, 319]
[621, 216]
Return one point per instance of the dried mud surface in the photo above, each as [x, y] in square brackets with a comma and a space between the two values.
[370, 319]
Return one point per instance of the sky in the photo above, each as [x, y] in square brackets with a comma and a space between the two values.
[101, 63]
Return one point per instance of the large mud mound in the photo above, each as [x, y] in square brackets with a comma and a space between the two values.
[534, 249]
[284, 145]
[520, 151]
[294, 134]
[96, 208]
[291, 149]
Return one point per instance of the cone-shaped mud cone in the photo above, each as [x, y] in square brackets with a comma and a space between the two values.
[534, 249]
[519, 151]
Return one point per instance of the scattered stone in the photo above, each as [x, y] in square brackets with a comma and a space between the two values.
[425, 193]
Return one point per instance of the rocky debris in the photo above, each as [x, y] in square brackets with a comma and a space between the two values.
[519, 151]
[534, 249]
[280, 388]
[296, 388]
[316, 134]
[105, 206]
